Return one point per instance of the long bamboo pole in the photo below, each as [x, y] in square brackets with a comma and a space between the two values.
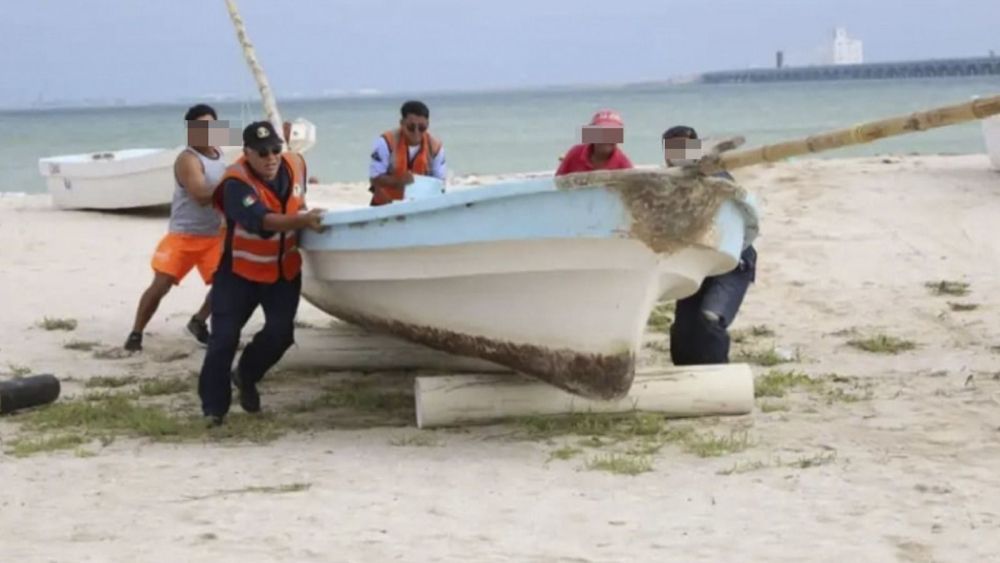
[863, 133]
[266, 95]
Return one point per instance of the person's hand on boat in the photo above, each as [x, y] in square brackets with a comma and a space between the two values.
[408, 178]
[313, 220]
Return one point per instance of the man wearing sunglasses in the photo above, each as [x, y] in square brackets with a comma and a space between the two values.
[400, 153]
[262, 196]
[699, 333]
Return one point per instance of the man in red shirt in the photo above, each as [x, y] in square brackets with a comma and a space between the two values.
[599, 150]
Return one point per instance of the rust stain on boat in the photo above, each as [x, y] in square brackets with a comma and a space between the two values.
[670, 210]
[594, 376]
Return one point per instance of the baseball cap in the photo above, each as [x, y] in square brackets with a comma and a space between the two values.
[607, 118]
[260, 135]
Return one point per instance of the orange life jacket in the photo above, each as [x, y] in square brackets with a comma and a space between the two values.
[257, 258]
[400, 163]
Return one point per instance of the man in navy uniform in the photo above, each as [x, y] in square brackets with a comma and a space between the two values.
[262, 196]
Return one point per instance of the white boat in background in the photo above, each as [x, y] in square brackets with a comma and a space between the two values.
[133, 178]
[553, 277]
[991, 137]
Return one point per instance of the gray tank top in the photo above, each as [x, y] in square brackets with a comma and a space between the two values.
[189, 217]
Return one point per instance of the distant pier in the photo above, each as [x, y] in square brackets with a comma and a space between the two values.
[980, 66]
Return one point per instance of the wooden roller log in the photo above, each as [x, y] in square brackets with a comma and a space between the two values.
[28, 392]
[675, 392]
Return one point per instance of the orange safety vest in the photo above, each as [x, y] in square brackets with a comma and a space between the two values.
[257, 258]
[400, 163]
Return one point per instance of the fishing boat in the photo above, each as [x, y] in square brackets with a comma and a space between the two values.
[133, 178]
[556, 277]
[552, 277]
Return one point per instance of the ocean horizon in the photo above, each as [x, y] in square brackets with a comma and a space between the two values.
[516, 130]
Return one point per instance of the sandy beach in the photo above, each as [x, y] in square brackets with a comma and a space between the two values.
[875, 457]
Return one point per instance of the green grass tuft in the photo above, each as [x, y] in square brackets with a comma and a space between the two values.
[57, 324]
[882, 344]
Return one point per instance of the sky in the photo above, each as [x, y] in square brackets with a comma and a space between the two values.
[143, 51]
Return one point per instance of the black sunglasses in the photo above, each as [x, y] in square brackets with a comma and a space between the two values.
[273, 150]
[412, 127]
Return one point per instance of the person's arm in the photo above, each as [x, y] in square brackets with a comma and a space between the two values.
[625, 162]
[191, 175]
[566, 162]
[378, 168]
[241, 204]
[438, 167]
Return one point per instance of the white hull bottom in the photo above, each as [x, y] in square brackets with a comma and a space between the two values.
[153, 188]
[570, 312]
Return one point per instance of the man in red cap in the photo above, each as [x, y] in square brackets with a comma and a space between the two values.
[599, 150]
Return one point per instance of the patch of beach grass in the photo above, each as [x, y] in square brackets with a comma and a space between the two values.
[110, 381]
[111, 353]
[882, 344]
[416, 440]
[57, 324]
[766, 357]
[661, 317]
[945, 287]
[17, 371]
[167, 356]
[81, 345]
[756, 331]
[802, 462]
[770, 406]
[776, 383]
[565, 452]
[27, 446]
[962, 307]
[743, 467]
[361, 396]
[713, 445]
[257, 489]
[620, 464]
[167, 386]
[805, 462]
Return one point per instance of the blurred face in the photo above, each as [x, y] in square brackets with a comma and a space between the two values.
[265, 161]
[678, 151]
[197, 131]
[414, 127]
[603, 138]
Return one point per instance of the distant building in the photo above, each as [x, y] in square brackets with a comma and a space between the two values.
[846, 51]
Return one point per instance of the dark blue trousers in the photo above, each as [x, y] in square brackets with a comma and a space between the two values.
[234, 299]
[699, 332]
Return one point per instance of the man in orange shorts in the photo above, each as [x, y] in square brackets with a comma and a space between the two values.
[194, 238]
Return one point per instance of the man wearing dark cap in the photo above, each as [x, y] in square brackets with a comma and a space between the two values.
[699, 332]
[262, 197]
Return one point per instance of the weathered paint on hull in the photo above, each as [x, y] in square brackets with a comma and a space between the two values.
[595, 376]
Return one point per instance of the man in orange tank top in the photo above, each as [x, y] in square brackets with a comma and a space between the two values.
[262, 197]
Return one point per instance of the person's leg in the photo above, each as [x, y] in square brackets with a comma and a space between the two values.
[719, 306]
[233, 302]
[206, 308]
[206, 253]
[148, 304]
[685, 331]
[170, 264]
[280, 302]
